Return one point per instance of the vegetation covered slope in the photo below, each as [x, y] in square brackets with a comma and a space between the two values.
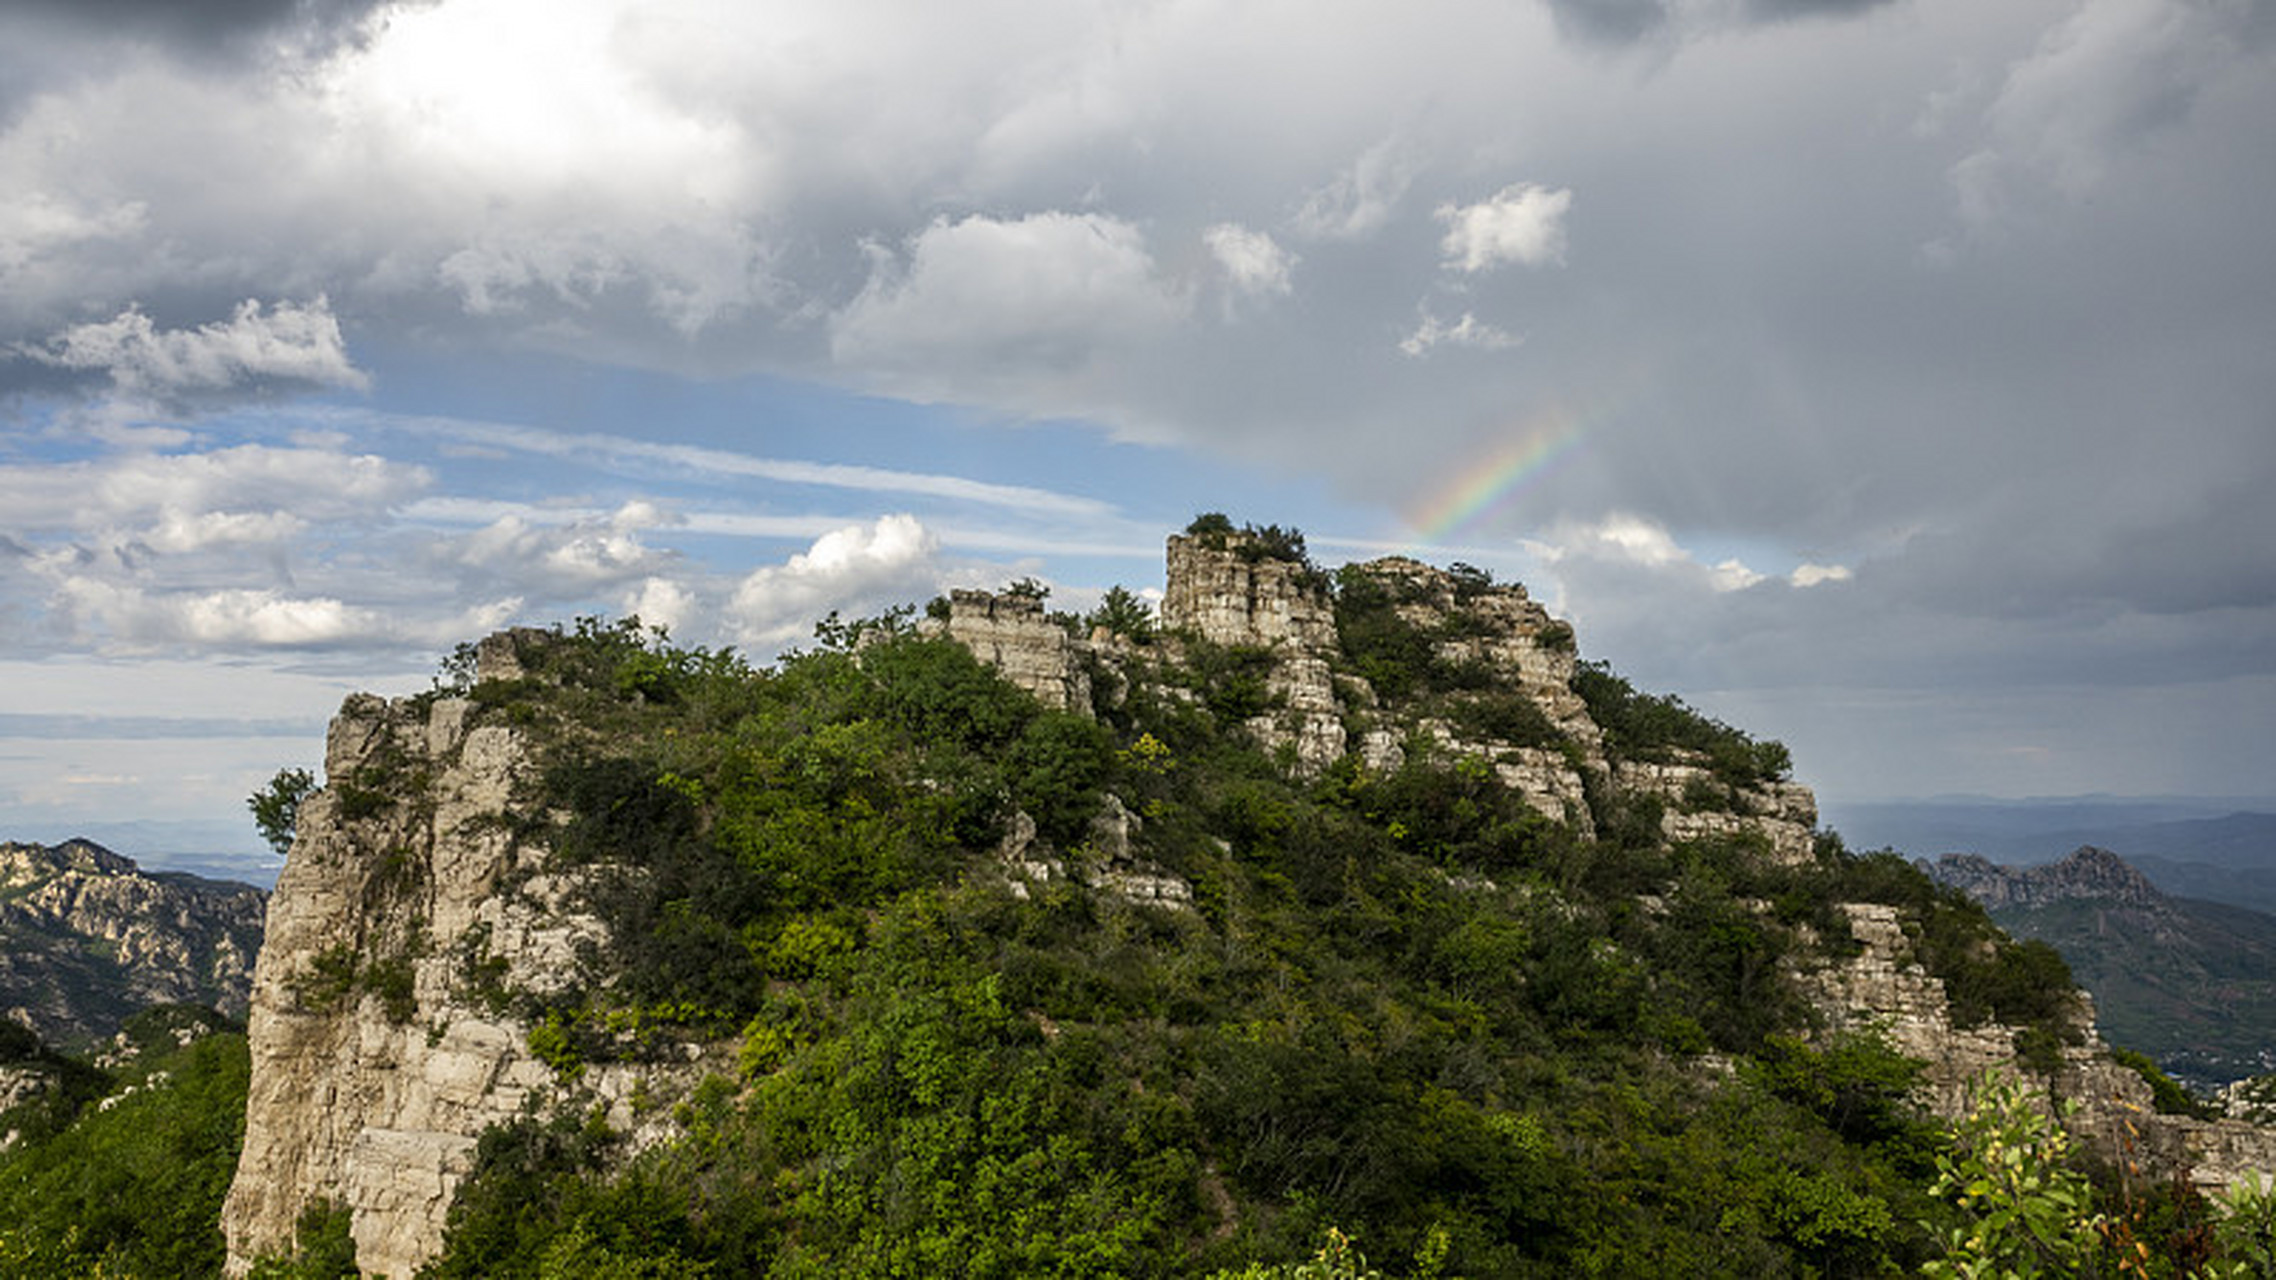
[130, 1186]
[978, 1033]
[2190, 983]
[1401, 1002]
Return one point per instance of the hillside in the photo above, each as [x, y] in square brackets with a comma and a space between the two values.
[87, 938]
[998, 942]
[2189, 982]
[116, 1167]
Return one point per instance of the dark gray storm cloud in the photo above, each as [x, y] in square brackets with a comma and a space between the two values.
[1782, 10]
[200, 27]
[1610, 21]
[1628, 21]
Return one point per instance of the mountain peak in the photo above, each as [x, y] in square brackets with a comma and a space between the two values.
[2088, 873]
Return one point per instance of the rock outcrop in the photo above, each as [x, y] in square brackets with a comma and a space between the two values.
[89, 938]
[1231, 591]
[1884, 989]
[1011, 633]
[380, 1046]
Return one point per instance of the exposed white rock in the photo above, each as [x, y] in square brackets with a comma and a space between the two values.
[1883, 988]
[1231, 599]
[1011, 633]
[378, 1109]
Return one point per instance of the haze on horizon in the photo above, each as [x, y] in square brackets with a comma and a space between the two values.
[1890, 377]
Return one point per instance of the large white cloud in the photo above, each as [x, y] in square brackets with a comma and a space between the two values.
[569, 561]
[1522, 224]
[983, 305]
[285, 342]
[849, 569]
[137, 490]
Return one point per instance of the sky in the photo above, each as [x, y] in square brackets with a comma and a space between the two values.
[1890, 377]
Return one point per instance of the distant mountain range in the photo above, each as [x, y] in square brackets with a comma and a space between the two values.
[2192, 983]
[88, 938]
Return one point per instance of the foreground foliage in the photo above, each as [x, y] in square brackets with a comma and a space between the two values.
[132, 1187]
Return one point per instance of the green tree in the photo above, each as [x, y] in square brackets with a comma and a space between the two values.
[276, 807]
[1123, 613]
[2246, 1231]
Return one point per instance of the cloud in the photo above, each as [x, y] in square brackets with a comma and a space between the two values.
[288, 343]
[36, 224]
[1810, 575]
[2092, 92]
[563, 562]
[1253, 264]
[1469, 331]
[246, 484]
[266, 619]
[493, 439]
[662, 602]
[1625, 539]
[1785, 10]
[1522, 224]
[1620, 22]
[986, 304]
[1360, 200]
[847, 569]
[114, 607]
[206, 27]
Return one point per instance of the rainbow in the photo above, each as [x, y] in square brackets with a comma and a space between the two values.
[1532, 450]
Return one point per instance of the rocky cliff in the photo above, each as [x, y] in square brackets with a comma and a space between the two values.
[381, 1045]
[1885, 989]
[1405, 654]
[87, 938]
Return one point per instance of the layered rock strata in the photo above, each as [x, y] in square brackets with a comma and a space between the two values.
[1884, 989]
[1011, 633]
[1224, 590]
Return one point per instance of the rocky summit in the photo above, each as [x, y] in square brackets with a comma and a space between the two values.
[90, 938]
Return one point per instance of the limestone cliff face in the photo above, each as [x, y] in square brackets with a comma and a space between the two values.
[1884, 988]
[90, 938]
[380, 1048]
[1230, 598]
[1225, 593]
[1225, 597]
[1012, 634]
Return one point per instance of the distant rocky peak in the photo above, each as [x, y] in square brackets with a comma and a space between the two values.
[2088, 874]
[34, 863]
